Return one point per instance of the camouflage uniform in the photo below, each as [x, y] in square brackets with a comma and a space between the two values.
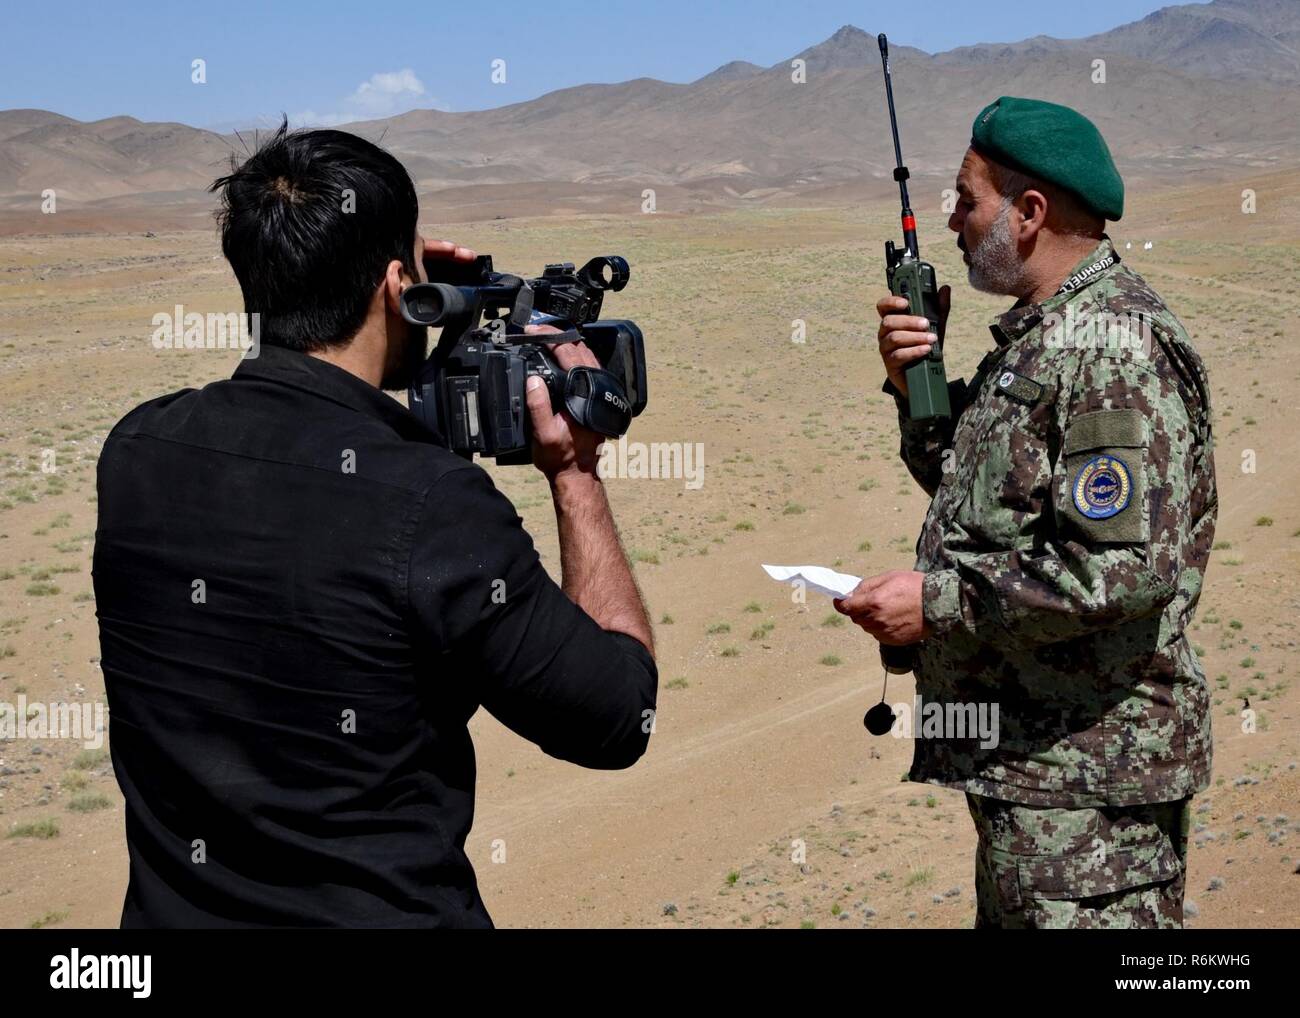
[1039, 867]
[1064, 552]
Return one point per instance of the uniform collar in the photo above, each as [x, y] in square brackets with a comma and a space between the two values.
[324, 380]
[1100, 262]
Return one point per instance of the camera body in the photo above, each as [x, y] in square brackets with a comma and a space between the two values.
[471, 390]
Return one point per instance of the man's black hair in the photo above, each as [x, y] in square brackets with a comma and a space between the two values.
[309, 223]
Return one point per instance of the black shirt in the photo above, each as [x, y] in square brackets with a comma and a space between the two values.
[302, 600]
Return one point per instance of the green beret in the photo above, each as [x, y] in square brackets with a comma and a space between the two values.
[1055, 144]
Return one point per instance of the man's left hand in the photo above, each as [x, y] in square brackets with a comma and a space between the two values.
[445, 250]
[888, 607]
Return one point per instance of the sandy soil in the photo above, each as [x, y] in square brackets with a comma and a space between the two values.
[759, 749]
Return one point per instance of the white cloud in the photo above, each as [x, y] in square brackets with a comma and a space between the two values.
[382, 95]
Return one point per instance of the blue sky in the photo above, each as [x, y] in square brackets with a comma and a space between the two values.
[328, 62]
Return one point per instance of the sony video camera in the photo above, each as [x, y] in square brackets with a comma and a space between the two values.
[471, 389]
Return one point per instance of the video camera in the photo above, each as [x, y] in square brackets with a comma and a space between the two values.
[471, 390]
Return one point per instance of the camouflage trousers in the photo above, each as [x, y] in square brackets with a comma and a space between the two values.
[1051, 868]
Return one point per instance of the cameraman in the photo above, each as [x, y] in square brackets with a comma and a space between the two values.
[303, 598]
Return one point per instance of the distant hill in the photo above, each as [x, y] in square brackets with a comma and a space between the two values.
[1189, 89]
[1247, 40]
[103, 158]
[732, 71]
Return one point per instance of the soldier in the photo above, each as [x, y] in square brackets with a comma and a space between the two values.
[1072, 514]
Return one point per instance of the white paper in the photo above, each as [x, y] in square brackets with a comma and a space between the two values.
[818, 578]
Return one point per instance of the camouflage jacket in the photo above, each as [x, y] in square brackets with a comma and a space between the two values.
[1073, 511]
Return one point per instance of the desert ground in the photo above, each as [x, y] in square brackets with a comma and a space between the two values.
[762, 800]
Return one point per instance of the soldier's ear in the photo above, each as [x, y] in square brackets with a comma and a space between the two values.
[1033, 212]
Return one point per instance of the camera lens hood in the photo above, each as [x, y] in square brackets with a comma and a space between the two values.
[596, 399]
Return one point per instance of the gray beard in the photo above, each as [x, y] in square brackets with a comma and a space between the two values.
[995, 265]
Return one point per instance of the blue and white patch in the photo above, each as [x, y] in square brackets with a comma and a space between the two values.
[1103, 487]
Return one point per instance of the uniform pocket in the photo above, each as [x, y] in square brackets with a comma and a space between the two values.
[1065, 854]
[1103, 492]
[1102, 870]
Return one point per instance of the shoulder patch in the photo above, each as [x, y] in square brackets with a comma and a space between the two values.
[1018, 387]
[1099, 429]
[1103, 487]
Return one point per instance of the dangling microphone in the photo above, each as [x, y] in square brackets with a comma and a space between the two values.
[899, 660]
[880, 719]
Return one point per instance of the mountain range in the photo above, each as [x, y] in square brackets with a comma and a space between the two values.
[1210, 88]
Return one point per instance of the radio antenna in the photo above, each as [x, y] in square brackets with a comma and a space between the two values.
[900, 171]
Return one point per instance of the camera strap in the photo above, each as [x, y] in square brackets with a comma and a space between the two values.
[555, 338]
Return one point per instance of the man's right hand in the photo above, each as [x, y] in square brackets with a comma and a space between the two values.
[560, 444]
[905, 338]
